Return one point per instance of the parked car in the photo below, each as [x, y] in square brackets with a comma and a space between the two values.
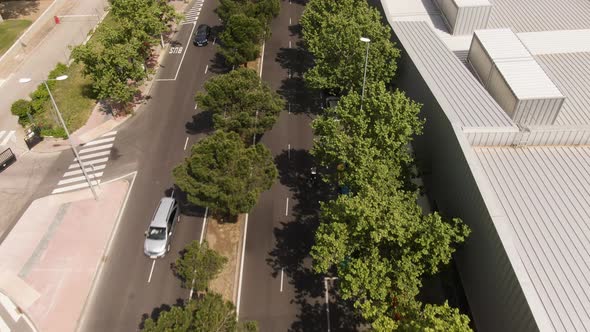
[202, 35]
[159, 234]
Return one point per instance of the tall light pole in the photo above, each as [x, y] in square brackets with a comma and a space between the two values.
[61, 78]
[367, 41]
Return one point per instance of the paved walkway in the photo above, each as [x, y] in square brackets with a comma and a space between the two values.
[36, 60]
[54, 253]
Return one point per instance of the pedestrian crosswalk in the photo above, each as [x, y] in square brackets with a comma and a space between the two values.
[94, 155]
[7, 136]
[193, 13]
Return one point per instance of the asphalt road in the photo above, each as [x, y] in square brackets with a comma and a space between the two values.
[278, 288]
[132, 286]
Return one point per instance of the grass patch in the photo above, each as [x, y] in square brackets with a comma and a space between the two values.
[73, 97]
[10, 30]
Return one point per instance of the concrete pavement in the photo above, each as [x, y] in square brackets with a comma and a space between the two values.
[39, 57]
[54, 252]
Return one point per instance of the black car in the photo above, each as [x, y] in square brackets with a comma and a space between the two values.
[202, 35]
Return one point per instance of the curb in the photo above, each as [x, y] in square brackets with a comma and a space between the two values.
[98, 274]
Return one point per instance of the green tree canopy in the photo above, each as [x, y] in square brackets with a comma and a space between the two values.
[380, 245]
[332, 31]
[376, 137]
[241, 102]
[210, 313]
[143, 19]
[198, 265]
[114, 68]
[436, 318]
[262, 10]
[241, 39]
[225, 175]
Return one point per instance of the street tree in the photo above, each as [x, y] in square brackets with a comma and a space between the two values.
[143, 20]
[262, 10]
[436, 318]
[114, 69]
[380, 245]
[376, 136]
[223, 174]
[332, 31]
[241, 102]
[198, 265]
[241, 38]
[209, 313]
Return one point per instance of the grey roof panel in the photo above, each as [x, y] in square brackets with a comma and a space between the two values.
[539, 15]
[571, 74]
[545, 192]
[462, 97]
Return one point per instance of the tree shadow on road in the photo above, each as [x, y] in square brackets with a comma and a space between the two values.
[294, 241]
[300, 98]
[202, 123]
[155, 314]
[17, 9]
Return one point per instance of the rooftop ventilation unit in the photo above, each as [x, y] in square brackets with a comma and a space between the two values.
[465, 16]
[513, 77]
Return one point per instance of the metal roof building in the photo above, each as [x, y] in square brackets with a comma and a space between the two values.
[521, 182]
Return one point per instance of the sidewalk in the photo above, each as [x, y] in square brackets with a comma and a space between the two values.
[55, 251]
[39, 57]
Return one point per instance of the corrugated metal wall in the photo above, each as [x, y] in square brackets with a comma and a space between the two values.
[470, 19]
[501, 92]
[548, 136]
[494, 294]
[479, 60]
[449, 10]
[537, 111]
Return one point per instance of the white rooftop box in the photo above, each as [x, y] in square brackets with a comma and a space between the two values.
[465, 16]
[513, 77]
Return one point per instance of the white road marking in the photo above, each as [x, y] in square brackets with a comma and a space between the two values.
[94, 155]
[289, 21]
[74, 187]
[262, 58]
[185, 143]
[196, 106]
[88, 169]
[190, 294]
[289, 44]
[80, 178]
[282, 270]
[289, 105]
[287, 207]
[183, 55]
[214, 39]
[203, 228]
[100, 141]
[289, 151]
[241, 267]
[95, 161]
[206, 68]
[151, 271]
[96, 148]
[110, 133]
[10, 134]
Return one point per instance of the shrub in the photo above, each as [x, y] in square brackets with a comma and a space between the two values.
[21, 108]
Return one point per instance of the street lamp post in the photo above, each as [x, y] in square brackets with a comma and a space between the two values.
[367, 41]
[61, 120]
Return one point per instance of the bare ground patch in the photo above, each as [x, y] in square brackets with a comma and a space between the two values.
[226, 239]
